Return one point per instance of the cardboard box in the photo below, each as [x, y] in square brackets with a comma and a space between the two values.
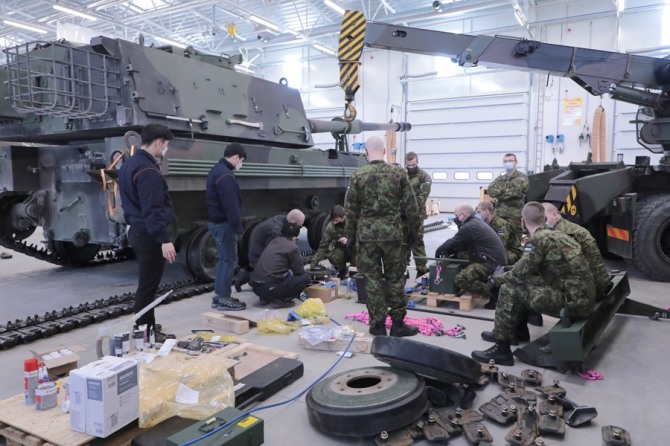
[224, 322]
[361, 344]
[104, 396]
[322, 292]
[59, 361]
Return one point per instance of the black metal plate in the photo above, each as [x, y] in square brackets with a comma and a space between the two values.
[426, 360]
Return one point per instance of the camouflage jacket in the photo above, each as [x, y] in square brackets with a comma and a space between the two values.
[503, 229]
[377, 194]
[329, 242]
[509, 192]
[421, 183]
[551, 258]
[590, 251]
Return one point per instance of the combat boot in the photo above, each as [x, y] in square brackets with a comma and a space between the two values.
[535, 318]
[521, 335]
[400, 329]
[378, 329]
[500, 353]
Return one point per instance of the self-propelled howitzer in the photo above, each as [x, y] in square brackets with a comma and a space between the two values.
[70, 114]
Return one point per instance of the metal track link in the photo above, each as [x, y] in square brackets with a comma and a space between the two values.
[102, 258]
[51, 323]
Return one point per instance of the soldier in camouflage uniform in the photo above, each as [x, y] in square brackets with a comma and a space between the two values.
[334, 244]
[509, 192]
[421, 182]
[377, 194]
[477, 242]
[513, 249]
[551, 275]
[590, 250]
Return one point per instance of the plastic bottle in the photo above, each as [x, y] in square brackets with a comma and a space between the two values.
[348, 284]
[30, 379]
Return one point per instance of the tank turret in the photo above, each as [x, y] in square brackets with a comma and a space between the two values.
[71, 114]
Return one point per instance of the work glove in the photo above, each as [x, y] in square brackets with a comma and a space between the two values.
[412, 238]
[491, 284]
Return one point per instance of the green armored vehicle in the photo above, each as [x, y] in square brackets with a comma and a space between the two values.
[71, 114]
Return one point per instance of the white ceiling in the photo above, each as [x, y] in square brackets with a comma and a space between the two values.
[204, 24]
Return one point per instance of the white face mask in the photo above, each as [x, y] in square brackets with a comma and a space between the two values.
[164, 151]
[238, 166]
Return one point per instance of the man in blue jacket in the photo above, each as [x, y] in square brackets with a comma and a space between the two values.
[224, 206]
[147, 208]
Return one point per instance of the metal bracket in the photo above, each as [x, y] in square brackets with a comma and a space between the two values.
[616, 436]
[476, 433]
[552, 423]
[305, 132]
[531, 377]
[506, 378]
[520, 436]
[553, 389]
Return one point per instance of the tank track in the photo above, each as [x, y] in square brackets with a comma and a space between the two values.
[435, 226]
[102, 258]
[24, 331]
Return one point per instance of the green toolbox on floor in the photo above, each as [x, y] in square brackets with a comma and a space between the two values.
[247, 431]
[442, 274]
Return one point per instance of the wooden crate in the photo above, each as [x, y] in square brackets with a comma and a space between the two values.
[433, 300]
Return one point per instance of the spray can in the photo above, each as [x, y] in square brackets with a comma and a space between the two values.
[349, 285]
[30, 379]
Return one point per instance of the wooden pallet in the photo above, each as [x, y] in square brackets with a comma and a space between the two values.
[434, 300]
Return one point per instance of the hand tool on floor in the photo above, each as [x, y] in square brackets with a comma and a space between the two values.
[576, 415]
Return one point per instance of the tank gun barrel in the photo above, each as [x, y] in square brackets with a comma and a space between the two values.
[339, 126]
[657, 101]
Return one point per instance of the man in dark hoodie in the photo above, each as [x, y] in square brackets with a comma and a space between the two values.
[224, 206]
[477, 242]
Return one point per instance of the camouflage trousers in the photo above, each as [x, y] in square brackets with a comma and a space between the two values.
[383, 259]
[473, 278]
[339, 257]
[513, 218]
[418, 250]
[515, 300]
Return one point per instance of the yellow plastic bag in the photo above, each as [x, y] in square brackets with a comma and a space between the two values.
[275, 325]
[311, 308]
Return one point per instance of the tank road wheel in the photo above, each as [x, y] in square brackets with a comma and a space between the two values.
[76, 254]
[245, 242]
[366, 401]
[7, 228]
[315, 229]
[200, 254]
[651, 243]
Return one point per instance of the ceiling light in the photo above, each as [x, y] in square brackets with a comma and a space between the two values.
[620, 5]
[244, 69]
[332, 5]
[170, 42]
[74, 12]
[25, 26]
[324, 49]
[263, 22]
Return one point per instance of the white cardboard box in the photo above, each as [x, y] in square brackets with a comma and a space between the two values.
[104, 396]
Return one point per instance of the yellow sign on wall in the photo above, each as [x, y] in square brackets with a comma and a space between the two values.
[572, 111]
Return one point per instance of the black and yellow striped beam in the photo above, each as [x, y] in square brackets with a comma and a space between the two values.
[350, 49]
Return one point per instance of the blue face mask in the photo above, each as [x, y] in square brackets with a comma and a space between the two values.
[479, 217]
[508, 166]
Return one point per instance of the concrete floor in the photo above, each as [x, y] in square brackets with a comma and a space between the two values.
[632, 353]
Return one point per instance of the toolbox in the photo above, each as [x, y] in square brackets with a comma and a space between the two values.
[245, 431]
[442, 274]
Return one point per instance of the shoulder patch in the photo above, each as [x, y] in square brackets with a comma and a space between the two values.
[500, 232]
[528, 247]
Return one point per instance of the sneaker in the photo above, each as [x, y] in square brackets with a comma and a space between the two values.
[500, 353]
[227, 304]
[215, 301]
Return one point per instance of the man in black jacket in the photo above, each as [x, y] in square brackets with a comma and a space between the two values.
[261, 237]
[477, 242]
[224, 206]
[279, 276]
[147, 208]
